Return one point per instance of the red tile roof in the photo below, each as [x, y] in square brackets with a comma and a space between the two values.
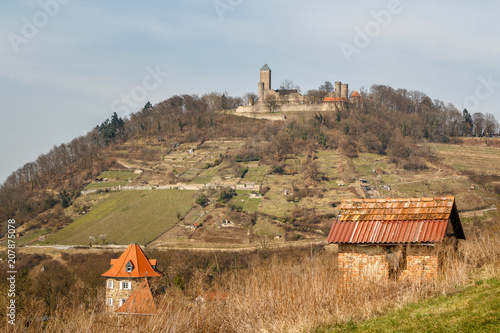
[335, 99]
[414, 220]
[142, 266]
[140, 302]
[355, 94]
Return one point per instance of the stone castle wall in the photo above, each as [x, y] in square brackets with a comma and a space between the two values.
[261, 108]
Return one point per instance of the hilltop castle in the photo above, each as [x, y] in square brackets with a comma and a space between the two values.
[290, 100]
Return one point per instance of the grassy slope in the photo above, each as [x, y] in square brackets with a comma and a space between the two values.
[128, 217]
[477, 309]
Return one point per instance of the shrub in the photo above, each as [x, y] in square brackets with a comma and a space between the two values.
[226, 195]
[415, 163]
[202, 200]
[278, 169]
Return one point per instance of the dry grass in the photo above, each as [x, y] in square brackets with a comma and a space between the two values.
[283, 295]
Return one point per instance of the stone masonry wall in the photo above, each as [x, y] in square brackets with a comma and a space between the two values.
[361, 266]
[116, 293]
[420, 268]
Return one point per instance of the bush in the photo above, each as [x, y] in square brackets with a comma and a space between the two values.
[415, 163]
[179, 282]
[202, 200]
[278, 169]
[226, 195]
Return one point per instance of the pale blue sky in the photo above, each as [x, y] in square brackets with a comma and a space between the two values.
[69, 75]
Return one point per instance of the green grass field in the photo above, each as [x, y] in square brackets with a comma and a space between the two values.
[255, 174]
[205, 176]
[127, 217]
[477, 309]
[243, 200]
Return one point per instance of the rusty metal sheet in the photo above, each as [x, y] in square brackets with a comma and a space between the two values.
[392, 220]
[387, 232]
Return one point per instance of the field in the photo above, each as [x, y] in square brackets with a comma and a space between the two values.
[478, 159]
[122, 217]
[476, 309]
[289, 195]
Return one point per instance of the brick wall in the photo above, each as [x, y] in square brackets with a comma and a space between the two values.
[420, 268]
[366, 263]
[361, 266]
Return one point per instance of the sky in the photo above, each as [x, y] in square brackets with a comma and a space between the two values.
[67, 65]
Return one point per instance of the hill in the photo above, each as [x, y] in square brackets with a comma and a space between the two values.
[289, 175]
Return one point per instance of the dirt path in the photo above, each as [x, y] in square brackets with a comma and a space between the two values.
[477, 212]
[54, 249]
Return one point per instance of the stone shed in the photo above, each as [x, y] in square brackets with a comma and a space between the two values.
[382, 239]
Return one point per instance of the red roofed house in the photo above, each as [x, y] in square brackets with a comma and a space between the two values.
[127, 287]
[393, 238]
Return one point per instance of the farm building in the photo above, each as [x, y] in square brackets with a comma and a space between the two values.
[385, 239]
[127, 287]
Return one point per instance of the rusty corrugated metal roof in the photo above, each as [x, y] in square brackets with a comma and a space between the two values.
[413, 220]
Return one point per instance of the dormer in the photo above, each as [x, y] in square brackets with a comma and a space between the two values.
[129, 267]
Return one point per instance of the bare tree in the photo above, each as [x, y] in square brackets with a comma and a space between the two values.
[490, 124]
[272, 103]
[326, 87]
[478, 121]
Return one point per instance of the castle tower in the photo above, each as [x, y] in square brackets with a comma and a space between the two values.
[356, 98]
[127, 280]
[260, 92]
[337, 88]
[344, 91]
[265, 76]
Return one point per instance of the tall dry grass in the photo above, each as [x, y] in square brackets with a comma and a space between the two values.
[284, 295]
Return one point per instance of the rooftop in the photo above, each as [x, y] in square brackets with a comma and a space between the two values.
[140, 265]
[140, 302]
[412, 220]
[335, 99]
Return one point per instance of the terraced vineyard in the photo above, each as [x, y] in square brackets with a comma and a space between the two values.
[153, 207]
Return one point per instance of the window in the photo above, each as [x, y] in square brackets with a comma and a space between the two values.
[110, 301]
[110, 284]
[129, 267]
[125, 285]
[122, 301]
